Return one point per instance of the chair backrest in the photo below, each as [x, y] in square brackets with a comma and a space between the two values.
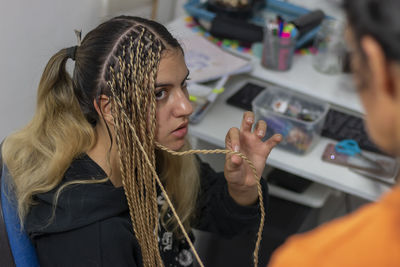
[23, 253]
[6, 257]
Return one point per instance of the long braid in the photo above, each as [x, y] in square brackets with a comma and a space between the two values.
[129, 183]
[150, 199]
[148, 193]
[149, 75]
[146, 92]
[130, 158]
[132, 80]
[137, 198]
[152, 79]
[139, 186]
[127, 172]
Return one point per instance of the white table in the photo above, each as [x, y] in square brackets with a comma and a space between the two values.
[336, 89]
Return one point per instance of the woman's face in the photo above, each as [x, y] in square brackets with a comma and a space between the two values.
[173, 106]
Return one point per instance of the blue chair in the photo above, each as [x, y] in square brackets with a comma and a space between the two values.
[16, 248]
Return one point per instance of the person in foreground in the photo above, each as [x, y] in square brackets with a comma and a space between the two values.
[370, 236]
[82, 169]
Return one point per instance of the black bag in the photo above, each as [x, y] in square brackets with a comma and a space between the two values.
[224, 27]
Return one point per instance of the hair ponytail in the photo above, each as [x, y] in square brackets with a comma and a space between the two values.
[38, 155]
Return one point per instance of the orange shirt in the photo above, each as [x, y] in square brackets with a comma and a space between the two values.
[367, 237]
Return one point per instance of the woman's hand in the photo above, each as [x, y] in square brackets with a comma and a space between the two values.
[242, 184]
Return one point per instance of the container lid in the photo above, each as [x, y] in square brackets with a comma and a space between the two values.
[291, 105]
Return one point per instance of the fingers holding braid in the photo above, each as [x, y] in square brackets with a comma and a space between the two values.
[250, 142]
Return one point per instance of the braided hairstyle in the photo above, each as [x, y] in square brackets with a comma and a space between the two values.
[118, 59]
[127, 73]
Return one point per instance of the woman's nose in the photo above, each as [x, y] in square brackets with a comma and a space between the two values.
[183, 107]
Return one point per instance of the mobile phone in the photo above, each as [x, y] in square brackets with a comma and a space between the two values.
[384, 168]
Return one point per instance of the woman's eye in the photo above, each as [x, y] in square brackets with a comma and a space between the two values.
[161, 94]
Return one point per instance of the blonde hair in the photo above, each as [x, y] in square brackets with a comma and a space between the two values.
[38, 155]
[181, 178]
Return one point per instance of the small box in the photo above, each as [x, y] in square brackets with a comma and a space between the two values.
[298, 118]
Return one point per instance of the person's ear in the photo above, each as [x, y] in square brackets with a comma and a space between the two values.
[380, 70]
[103, 108]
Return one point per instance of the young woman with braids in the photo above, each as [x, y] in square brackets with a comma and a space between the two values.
[85, 169]
[370, 236]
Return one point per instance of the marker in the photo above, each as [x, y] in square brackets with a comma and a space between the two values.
[199, 113]
[280, 29]
[294, 32]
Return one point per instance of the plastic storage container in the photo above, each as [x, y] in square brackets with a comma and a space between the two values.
[298, 118]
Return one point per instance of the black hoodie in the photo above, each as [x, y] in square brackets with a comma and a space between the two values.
[92, 227]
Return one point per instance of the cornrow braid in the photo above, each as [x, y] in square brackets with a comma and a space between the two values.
[131, 76]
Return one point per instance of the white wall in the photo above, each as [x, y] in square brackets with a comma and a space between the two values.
[179, 11]
[164, 9]
[142, 8]
[30, 32]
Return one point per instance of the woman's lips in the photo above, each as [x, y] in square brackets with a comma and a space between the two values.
[180, 132]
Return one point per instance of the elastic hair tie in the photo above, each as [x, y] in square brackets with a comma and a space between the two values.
[71, 51]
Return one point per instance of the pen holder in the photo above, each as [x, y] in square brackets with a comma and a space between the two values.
[277, 52]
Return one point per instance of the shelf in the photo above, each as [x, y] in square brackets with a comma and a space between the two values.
[314, 196]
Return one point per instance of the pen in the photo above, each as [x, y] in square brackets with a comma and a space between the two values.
[199, 113]
[280, 28]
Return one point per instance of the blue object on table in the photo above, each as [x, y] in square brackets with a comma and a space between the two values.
[351, 148]
[348, 147]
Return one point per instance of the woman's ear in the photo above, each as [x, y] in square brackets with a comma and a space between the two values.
[103, 108]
